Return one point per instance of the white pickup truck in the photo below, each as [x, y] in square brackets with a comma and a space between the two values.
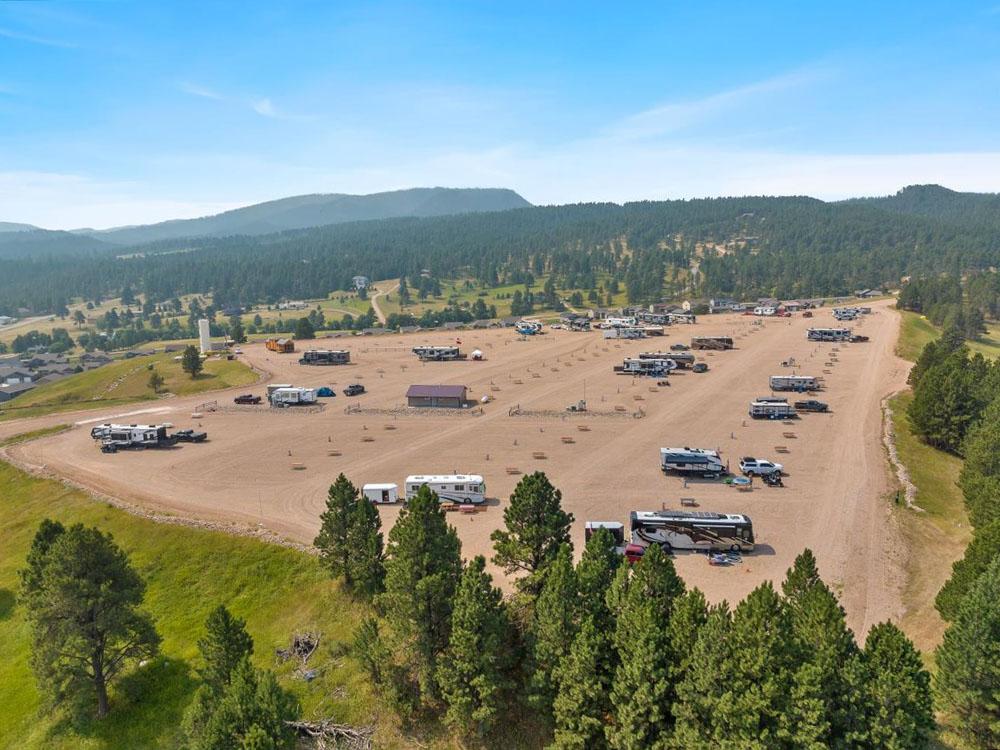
[759, 466]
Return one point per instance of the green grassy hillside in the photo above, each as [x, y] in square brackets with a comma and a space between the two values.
[279, 591]
[125, 382]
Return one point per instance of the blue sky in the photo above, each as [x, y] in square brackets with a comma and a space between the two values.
[118, 112]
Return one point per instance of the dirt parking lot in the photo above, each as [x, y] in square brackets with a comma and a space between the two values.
[273, 467]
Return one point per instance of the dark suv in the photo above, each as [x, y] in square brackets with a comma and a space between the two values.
[247, 398]
[354, 389]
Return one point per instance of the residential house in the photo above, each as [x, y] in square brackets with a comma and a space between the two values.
[15, 375]
[10, 392]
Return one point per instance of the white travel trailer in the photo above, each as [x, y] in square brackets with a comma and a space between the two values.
[282, 397]
[797, 383]
[771, 408]
[619, 322]
[764, 311]
[692, 530]
[828, 334]
[700, 461]
[381, 493]
[622, 332]
[118, 436]
[528, 327]
[646, 366]
[455, 488]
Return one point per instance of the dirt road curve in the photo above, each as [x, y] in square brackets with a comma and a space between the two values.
[834, 499]
[381, 291]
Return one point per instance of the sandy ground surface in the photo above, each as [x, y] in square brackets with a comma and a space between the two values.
[834, 499]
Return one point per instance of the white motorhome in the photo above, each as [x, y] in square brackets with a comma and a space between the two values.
[798, 383]
[771, 408]
[692, 530]
[292, 396]
[381, 492]
[438, 353]
[828, 334]
[700, 461]
[455, 488]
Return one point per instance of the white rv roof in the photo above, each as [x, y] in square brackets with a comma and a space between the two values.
[427, 478]
[700, 451]
[381, 486]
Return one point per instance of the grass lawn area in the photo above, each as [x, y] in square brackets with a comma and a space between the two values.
[915, 332]
[126, 381]
[188, 571]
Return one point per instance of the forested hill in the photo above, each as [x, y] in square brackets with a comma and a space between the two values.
[787, 247]
[303, 211]
[26, 241]
[939, 202]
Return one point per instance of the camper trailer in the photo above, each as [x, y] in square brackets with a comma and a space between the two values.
[528, 327]
[828, 334]
[325, 357]
[455, 488]
[674, 318]
[764, 311]
[618, 322]
[683, 360]
[700, 461]
[624, 333]
[691, 530]
[712, 342]
[381, 493]
[579, 324]
[771, 408]
[438, 353]
[646, 366]
[292, 396]
[798, 383]
[116, 437]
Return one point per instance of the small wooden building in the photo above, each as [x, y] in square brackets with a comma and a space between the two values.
[282, 346]
[447, 396]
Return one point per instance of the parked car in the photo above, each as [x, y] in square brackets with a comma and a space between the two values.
[699, 367]
[190, 436]
[679, 347]
[247, 398]
[354, 389]
[811, 405]
[750, 466]
[857, 337]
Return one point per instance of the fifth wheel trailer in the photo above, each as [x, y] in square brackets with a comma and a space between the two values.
[771, 408]
[438, 353]
[325, 357]
[828, 334]
[712, 342]
[700, 461]
[681, 359]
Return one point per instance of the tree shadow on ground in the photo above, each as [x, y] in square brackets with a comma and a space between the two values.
[8, 600]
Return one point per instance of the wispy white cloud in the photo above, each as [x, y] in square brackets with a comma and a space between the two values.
[195, 89]
[673, 117]
[264, 107]
[33, 39]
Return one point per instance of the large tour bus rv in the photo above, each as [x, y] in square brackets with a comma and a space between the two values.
[692, 530]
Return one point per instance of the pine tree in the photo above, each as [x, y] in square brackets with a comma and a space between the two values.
[82, 598]
[553, 626]
[366, 564]
[689, 614]
[594, 574]
[535, 526]
[225, 644]
[250, 714]
[801, 577]
[642, 691]
[423, 567]
[191, 361]
[982, 550]
[703, 692]
[894, 693]
[473, 672]
[304, 330]
[332, 541]
[968, 676]
[980, 476]
[581, 706]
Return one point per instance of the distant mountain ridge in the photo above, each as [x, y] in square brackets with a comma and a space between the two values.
[937, 202]
[306, 211]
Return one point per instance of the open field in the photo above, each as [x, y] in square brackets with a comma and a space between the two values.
[188, 571]
[124, 382]
[834, 499]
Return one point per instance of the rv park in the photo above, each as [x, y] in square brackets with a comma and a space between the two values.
[268, 469]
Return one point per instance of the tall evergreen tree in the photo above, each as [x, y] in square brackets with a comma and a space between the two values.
[34, 569]
[553, 626]
[535, 525]
[225, 644]
[594, 574]
[335, 523]
[365, 566]
[82, 598]
[642, 691]
[581, 707]
[423, 567]
[474, 668]
[982, 550]
[690, 611]
[803, 576]
[980, 476]
[968, 676]
[894, 695]
[191, 361]
[702, 693]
